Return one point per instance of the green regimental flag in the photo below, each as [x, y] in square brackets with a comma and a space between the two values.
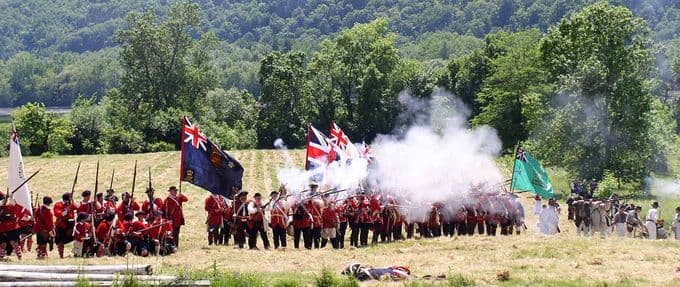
[528, 175]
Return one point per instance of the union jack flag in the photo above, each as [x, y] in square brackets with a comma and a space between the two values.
[521, 155]
[194, 135]
[339, 137]
[320, 150]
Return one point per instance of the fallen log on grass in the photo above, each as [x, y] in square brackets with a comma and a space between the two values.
[33, 276]
[81, 269]
[182, 283]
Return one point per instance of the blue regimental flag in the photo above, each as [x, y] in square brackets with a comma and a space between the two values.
[205, 165]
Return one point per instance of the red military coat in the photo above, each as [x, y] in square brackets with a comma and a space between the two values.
[124, 209]
[314, 209]
[214, 207]
[62, 219]
[44, 220]
[8, 214]
[340, 211]
[173, 209]
[158, 205]
[278, 215]
[330, 218]
[129, 227]
[158, 231]
[81, 231]
[301, 218]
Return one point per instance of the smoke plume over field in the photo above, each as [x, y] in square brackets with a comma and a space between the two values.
[433, 156]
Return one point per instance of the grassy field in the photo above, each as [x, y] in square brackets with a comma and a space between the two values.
[529, 259]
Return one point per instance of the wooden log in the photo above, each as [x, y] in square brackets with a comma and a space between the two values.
[33, 276]
[89, 269]
[199, 283]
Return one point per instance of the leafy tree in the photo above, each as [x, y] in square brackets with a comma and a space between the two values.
[41, 131]
[285, 99]
[514, 96]
[360, 62]
[89, 121]
[601, 57]
[230, 118]
[166, 70]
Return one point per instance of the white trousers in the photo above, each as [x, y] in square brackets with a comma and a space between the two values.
[651, 229]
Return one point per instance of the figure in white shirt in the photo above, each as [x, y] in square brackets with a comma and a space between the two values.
[650, 220]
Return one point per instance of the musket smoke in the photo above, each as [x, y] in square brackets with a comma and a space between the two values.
[439, 158]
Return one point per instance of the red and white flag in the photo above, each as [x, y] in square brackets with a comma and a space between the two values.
[320, 151]
[342, 141]
[16, 175]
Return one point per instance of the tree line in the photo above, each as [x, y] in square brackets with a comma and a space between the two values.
[54, 52]
[587, 94]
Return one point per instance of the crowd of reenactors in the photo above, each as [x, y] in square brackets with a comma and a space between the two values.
[614, 216]
[99, 226]
[316, 219]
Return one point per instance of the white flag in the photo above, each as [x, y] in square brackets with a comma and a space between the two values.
[15, 174]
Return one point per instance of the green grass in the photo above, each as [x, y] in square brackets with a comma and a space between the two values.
[530, 259]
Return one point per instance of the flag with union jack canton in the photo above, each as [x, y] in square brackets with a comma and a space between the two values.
[342, 141]
[320, 150]
[205, 165]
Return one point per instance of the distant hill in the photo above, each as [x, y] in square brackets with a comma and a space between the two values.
[54, 51]
[77, 26]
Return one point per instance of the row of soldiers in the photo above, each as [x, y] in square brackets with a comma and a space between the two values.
[97, 226]
[316, 219]
[592, 216]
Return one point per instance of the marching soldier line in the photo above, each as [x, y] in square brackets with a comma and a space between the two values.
[311, 219]
[319, 219]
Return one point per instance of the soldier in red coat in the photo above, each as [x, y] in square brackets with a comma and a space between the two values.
[83, 239]
[241, 218]
[227, 221]
[302, 224]
[352, 213]
[342, 228]
[314, 207]
[256, 223]
[110, 201]
[128, 205]
[365, 221]
[87, 205]
[44, 226]
[105, 234]
[9, 226]
[64, 211]
[135, 234]
[214, 207]
[151, 205]
[173, 211]
[330, 223]
[160, 236]
[279, 219]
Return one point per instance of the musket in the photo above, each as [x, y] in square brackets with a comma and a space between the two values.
[22, 184]
[93, 205]
[75, 181]
[113, 173]
[134, 178]
[152, 205]
[323, 194]
[154, 226]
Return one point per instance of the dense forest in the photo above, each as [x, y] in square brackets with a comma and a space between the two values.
[55, 51]
[592, 87]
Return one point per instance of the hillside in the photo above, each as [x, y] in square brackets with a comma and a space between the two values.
[55, 51]
[530, 259]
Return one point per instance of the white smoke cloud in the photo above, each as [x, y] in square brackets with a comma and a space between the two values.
[434, 156]
[439, 159]
[663, 188]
